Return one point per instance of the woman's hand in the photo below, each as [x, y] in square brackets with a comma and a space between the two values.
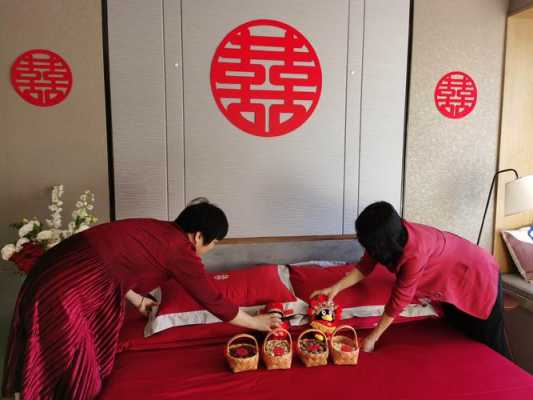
[141, 303]
[145, 306]
[261, 322]
[330, 292]
[266, 322]
[369, 343]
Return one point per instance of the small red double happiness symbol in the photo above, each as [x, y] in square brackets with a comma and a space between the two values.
[455, 95]
[266, 78]
[41, 77]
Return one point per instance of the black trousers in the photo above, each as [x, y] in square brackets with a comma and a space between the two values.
[490, 331]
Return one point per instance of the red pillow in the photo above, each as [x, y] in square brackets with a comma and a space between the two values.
[364, 300]
[305, 279]
[132, 334]
[252, 286]
[248, 287]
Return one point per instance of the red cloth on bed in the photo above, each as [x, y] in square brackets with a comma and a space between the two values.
[66, 322]
[443, 267]
[416, 361]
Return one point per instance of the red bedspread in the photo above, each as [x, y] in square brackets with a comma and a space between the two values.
[417, 361]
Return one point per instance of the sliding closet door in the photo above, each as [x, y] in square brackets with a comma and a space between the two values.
[137, 79]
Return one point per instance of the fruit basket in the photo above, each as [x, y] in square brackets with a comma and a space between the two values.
[242, 353]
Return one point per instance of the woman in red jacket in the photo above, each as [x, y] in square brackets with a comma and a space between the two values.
[429, 263]
[68, 314]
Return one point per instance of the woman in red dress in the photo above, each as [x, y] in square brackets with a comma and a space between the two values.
[429, 264]
[69, 312]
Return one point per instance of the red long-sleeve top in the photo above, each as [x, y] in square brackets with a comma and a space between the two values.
[443, 267]
[143, 253]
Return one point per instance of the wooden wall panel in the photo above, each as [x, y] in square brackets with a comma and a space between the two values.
[137, 77]
[383, 101]
[516, 141]
[280, 186]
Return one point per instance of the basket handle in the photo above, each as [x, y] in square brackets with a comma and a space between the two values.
[347, 328]
[274, 331]
[305, 333]
[241, 336]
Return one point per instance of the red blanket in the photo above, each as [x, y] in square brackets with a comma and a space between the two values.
[416, 361]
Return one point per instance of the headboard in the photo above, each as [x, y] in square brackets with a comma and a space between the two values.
[232, 256]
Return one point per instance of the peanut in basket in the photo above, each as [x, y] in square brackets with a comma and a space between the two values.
[277, 353]
[344, 349]
[312, 348]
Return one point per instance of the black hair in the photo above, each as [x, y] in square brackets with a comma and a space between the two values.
[202, 216]
[381, 232]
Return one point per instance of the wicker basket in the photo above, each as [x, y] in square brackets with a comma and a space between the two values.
[271, 344]
[313, 359]
[344, 349]
[240, 364]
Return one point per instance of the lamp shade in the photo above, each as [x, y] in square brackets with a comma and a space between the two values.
[519, 195]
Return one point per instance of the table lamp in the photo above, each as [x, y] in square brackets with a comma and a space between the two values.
[518, 196]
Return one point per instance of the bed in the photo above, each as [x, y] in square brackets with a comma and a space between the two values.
[417, 360]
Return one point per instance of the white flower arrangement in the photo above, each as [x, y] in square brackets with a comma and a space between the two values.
[32, 231]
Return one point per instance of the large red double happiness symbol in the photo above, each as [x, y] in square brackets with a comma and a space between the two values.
[266, 78]
[41, 77]
[455, 95]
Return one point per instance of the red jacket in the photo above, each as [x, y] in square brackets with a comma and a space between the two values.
[442, 267]
[142, 253]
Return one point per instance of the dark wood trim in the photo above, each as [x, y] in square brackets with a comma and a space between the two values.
[407, 97]
[109, 122]
[286, 239]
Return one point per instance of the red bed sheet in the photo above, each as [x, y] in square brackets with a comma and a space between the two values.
[415, 361]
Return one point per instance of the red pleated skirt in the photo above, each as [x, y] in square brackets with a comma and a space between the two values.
[65, 327]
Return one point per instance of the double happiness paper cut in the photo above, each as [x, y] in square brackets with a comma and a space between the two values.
[41, 77]
[455, 95]
[266, 78]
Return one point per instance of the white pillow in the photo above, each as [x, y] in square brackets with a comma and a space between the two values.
[520, 245]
